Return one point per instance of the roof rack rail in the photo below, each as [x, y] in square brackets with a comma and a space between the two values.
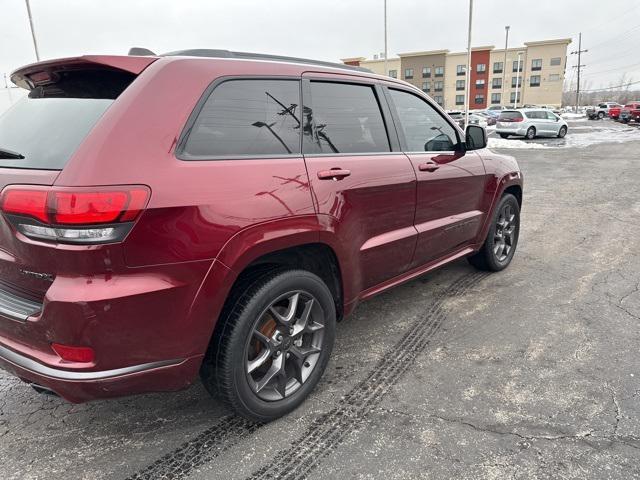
[214, 53]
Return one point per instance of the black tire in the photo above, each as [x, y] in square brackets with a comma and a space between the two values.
[531, 133]
[600, 115]
[504, 135]
[562, 132]
[224, 371]
[487, 258]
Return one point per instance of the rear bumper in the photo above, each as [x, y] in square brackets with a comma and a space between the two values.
[81, 386]
[521, 131]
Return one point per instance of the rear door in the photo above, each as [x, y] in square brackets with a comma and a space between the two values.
[450, 181]
[361, 182]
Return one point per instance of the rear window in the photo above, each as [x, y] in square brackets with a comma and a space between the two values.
[46, 131]
[510, 116]
[48, 125]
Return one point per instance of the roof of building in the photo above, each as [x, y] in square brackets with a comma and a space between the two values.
[565, 41]
[422, 54]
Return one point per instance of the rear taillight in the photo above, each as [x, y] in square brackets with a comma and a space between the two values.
[74, 215]
[74, 354]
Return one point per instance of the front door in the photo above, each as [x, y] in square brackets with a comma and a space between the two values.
[450, 181]
[363, 188]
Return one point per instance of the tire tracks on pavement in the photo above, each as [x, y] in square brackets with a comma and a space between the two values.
[327, 431]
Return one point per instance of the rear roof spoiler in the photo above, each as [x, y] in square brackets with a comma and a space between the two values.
[132, 64]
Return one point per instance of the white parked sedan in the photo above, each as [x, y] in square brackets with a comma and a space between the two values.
[530, 123]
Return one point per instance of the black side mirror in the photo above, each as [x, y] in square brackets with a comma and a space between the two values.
[476, 137]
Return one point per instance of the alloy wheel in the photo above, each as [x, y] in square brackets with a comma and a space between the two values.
[284, 346]
[505, 233]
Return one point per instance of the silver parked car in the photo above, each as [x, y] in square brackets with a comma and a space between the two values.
[530, 123]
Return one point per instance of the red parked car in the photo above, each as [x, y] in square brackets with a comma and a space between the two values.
[630, 112]
[215, 212]
[614, 112]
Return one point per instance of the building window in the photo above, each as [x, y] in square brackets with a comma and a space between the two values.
[495, 98]
[459, 84]
[426, 72]
[480, 84]
[439, 71]
[461, 70]
[426, 86]
[513, 97]
[459, 99]
[438, 99]
[393, 73]
[496, 83]
[408, 73]
[555, 61]
[536, 64]
[438, 86]
[513, 82]
[554, 77]
[479, 99]
[517, 67]
[497, 67]
[534, 81]
[481, 68]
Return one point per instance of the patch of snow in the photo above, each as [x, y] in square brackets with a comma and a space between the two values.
[512, 143]
[587, 137]
[573, 116]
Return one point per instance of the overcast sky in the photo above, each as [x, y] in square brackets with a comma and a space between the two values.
[327, 29]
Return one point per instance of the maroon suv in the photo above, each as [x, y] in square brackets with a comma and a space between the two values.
[215, 212]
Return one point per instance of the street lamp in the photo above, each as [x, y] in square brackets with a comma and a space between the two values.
[468, 73]
[515, 100]
[504, 64]
[33, 33]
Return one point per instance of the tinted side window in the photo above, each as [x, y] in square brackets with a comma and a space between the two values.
[345, 118]
[423, 127]
[248, 117]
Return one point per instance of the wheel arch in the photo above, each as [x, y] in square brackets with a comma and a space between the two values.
[294, 242]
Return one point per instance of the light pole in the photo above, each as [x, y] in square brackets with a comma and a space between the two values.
[33, 34]
[515, 100]
[468, 72]
[386, 72]
[504, 64]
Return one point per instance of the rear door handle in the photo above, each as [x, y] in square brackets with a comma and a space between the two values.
[428, 167]
[333, 174]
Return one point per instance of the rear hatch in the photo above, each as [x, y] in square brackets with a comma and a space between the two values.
[507, 119]
[38, 135]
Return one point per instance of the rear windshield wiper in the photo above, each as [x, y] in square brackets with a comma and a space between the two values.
[10, 155]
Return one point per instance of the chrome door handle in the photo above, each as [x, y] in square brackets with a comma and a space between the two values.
[333, 174]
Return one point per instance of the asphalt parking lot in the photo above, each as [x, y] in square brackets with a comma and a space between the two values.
[530, 373]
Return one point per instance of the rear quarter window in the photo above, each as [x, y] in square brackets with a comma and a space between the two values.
[246, 117]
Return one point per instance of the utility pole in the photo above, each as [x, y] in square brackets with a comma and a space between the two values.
[33, 34]
[504, 64]
[386, 72]
[579, 67]
[468, 72]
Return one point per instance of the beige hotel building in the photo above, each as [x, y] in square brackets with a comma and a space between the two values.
[441, 74]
